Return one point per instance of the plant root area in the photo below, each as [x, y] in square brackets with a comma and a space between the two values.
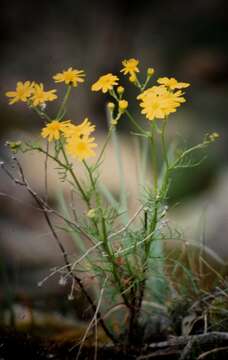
[207, 346]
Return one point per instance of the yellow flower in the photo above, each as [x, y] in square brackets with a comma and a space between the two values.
[83, 129]
[172, 83]
[70, 77]
[105, 83]
[39, 96]
[53, 130]
[158, 102]
[123, 105]
[130, 66]
[22, 93]
[81, 148]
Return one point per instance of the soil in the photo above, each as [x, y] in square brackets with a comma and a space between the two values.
[29, 346]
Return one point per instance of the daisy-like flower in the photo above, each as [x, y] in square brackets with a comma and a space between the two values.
[105, 83]
[83, 129]
[53, 130]
[70, 77]
[81, 148]
[158, 102]
[130, 66]
[22, 93]
[172, 83]
[39, 96]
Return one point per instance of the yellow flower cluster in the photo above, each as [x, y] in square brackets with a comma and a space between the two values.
[159, 101]
[32, 93]
[35, 94]
[79, 144]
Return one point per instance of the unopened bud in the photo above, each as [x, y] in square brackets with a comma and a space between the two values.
[111, 106]
[120, 90]
[132, 78]
[91, 213]
[123, 105]
[150, 71]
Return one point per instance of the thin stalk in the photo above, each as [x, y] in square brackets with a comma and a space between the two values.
[63, 104]
[41, 114]
[75, 177]
[104, 146]
[154, 161]
[131, 118]
[104, 238]
[164, 149]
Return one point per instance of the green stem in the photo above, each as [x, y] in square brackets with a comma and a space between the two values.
[41, 113]
[104, 237]
[75, 177]
[104, 146]
[164, 149]
[154, 160]
[134, 122]
[63, 105]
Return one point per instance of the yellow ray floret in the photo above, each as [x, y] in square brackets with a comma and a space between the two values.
[81, 148]
[172, 83]
[22, 93]
[105, 83]
[70, 77]
[53, 130]
[130, 66]
[83, 129]
[39, 96]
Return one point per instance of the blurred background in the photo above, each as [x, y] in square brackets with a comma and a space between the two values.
[184, 39]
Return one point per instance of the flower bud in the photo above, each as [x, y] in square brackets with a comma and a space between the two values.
[150, 71]
[123, 105]
[91, 213]
[120, 90]
[132, 78]
[213, 136]
[111, 106]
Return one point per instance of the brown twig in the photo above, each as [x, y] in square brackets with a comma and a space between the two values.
[213, 351]
[46, 210]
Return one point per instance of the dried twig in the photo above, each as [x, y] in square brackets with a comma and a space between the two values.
[124, 228]
[93, 321]
[46, 210]
[213, 351]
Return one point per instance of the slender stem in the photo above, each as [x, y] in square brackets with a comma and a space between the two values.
[131, 118]
[145, 83]
[104, 146]
[63, 104]
[46, 172]
[164, 149]
[154, 160]
[74, 177]
[42, 114]
[104, 238]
